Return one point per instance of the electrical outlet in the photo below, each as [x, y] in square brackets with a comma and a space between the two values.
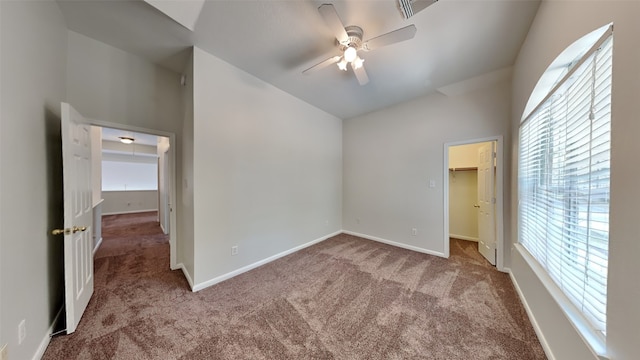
[414, 231]
[234, 250]
[326, 222]
[4, 353]
[22, 331]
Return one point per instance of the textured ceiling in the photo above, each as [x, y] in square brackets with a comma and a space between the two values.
[276, 40]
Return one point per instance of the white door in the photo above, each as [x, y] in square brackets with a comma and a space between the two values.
[78, 218]
[486, 202]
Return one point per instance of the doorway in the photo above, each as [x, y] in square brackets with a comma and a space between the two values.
[473, 199]
[154, 189]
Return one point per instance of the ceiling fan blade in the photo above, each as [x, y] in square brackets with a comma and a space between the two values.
[333, 21]
[323, 64]
[361, 74]
[396, 36]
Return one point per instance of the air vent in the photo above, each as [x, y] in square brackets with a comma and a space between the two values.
[408, 8]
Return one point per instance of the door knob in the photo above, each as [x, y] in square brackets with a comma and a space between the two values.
[68, 231]
[476, 206]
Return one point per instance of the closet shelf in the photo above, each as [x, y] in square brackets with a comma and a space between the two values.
[463, 169]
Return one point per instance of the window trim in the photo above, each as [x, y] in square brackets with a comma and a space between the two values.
[589, 335]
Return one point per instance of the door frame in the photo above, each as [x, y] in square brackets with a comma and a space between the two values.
[172, 177]
[499, 215]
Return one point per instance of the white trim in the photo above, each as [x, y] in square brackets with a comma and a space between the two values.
[129, 190]
[185, 272]
[532, 318]
[464, 237]
[244, 269]
[95, 249]
[47, 337]
[594, 342]
[500, 248]
[129, 212]
[396, 244]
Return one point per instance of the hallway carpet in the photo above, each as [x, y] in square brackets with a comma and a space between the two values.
[344, 298]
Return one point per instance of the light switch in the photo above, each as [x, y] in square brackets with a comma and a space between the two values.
[432, 183]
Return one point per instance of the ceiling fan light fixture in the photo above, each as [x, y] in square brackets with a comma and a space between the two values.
[357, 63]
[350, 54]
[342, 65]
[126, 139]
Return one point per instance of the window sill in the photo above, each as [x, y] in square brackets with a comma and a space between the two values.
[590, 336]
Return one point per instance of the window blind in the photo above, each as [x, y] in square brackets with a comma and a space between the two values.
[563, 178]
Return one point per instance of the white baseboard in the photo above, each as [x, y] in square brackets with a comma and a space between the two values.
[97, 246]
[532, 318]
[463, 237]
[244, 269]
[186, 274]
[393, 243]
[47, 337]
[128, 212]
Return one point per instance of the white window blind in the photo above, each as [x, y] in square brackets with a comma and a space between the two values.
[563, 178]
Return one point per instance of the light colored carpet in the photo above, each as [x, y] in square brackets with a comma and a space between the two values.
[344, 298]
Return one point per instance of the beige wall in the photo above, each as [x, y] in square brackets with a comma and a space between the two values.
[557, 25]
[184, 185]
[464, 156]
[391, 155]
[124, 202]
[164, 181]
[33, 71]
[463, 194]
[96, 164]
[267, 170]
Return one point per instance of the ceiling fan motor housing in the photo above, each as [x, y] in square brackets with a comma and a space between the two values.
[355, 38]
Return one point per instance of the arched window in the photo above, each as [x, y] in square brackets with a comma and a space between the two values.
[563, 177]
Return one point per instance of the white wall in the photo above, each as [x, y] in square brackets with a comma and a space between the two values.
[267, 169]
[124, 202]
[556, 26]
[33, 46]
[390, 156]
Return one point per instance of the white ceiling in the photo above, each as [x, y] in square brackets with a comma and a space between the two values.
[275, 40]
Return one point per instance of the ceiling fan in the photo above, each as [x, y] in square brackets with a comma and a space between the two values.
[350, 42]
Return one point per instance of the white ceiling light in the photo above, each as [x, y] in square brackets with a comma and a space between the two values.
[357, 63]
[350, 54]
[342, 65]
[126, 139]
